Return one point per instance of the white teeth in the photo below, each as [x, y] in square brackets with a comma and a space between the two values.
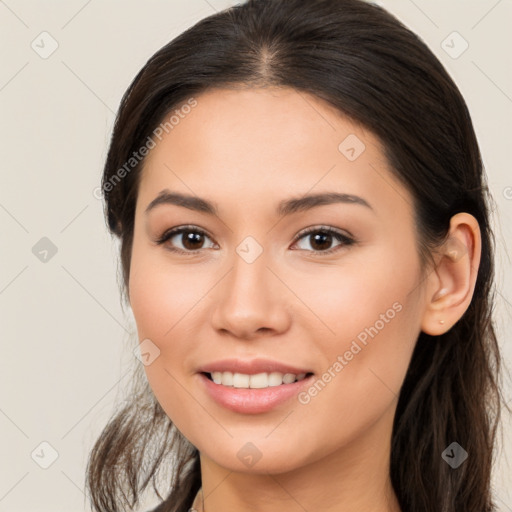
[288, 378]
[275, 379]
[257, 381]
[226, 378]
[240, 380]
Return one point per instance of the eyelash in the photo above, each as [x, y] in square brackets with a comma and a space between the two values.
[344, 239]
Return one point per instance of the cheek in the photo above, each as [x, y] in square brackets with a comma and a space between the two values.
[369, 323]
[343, 301]
[161, 295]
[162, 301]
[363, 372]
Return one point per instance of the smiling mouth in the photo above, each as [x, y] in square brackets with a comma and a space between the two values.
[254, 381]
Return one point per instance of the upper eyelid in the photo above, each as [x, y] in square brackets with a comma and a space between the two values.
[320, 227]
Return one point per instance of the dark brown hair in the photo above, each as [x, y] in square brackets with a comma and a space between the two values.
[359, 58]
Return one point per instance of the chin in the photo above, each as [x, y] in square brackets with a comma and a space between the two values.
[258, 457]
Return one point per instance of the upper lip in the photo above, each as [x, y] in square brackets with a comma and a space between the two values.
[251, 367]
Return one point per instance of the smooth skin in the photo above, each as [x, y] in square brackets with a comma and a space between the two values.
[245, 150]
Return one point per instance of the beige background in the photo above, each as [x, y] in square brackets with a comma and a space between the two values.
[66, 342]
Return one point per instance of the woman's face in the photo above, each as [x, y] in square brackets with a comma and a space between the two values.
[257, 287]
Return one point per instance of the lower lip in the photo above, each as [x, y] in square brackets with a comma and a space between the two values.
[252, 400]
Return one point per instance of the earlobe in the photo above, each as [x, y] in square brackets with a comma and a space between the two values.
[451, 283]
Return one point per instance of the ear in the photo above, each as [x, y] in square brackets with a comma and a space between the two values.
[450, 285]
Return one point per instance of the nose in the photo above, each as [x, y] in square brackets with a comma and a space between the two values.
[251, 301]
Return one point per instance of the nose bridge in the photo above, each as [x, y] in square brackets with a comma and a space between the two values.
[248, 282]
[249, 299]
[250, 267]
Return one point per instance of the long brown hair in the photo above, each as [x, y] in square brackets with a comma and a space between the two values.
[359, 58]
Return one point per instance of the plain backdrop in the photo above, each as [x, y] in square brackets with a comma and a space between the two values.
[66, 343]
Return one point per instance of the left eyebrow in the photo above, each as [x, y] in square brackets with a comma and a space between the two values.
[303, 203]
[284, 208]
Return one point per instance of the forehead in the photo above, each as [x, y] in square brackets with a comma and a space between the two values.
[270, 124]
[253, 144]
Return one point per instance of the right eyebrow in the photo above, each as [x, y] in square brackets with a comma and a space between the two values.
[185, 200]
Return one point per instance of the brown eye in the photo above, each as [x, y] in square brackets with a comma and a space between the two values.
[191, 240]
[184, 239]
[321, 239]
